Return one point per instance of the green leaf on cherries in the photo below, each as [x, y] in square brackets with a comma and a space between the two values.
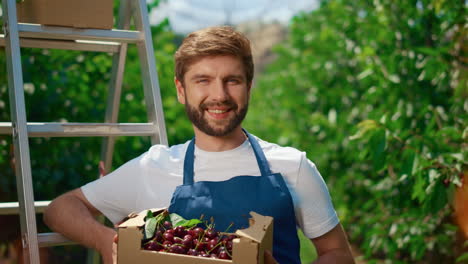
[178, 220]
[150, 227]
[149, 215]
[190, 223]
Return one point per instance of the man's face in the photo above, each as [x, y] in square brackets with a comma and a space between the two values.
[215, 94]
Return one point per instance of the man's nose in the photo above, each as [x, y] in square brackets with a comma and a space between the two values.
[219, 91]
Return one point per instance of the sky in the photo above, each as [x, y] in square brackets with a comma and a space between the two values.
[188, 15]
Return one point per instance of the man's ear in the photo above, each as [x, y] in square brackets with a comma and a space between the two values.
[180, 91]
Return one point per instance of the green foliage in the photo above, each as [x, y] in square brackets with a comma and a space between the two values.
[376, 93]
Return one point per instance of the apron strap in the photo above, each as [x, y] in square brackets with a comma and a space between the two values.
[261, 159]
[188, 163]
[259, 155]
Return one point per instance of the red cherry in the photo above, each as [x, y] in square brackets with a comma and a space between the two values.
[223, 255]
[176, 249]
[168, 236]
[159, 236]
[167, 244]
[228, 245]
[211, 233]
[152, 245]
[187, 241]
[178, 240]
[202, 254]
[192, 252]
[180, 231]
[198, 232]
[167, 225]
[199, 245]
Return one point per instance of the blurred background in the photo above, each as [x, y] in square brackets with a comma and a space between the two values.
[374, 91]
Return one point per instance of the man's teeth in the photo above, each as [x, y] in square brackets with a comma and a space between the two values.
[217, 111]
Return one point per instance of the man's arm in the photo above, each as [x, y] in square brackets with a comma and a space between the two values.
[72, 215]
[333, 247]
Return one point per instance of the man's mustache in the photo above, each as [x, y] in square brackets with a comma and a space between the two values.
[227, 103]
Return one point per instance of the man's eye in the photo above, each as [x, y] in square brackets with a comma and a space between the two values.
[202, 81]
[233, 81]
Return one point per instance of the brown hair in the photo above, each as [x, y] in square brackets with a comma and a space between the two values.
[213, 41]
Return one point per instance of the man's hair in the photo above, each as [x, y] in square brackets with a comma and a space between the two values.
[214, 41]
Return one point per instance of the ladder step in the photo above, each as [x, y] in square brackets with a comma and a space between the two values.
[84, 129]
[53, 239]
[12, 208]
[82, 45]
[67, 33]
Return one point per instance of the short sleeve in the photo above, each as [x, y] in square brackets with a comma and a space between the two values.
[115, 194]
[316, 215]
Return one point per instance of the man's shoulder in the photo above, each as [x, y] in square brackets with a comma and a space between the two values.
[274, 150]
[159, 151]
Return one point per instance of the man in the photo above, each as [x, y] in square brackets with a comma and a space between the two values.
[210, 174]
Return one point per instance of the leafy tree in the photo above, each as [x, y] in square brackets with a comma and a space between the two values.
[376, 93]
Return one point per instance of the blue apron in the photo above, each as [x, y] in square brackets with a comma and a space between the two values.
[230, 201]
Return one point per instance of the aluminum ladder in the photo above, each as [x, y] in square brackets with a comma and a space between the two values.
[111, 41]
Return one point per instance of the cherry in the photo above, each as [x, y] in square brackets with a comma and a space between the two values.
[192, 252]
[199, 245]
[180, 231]
[187, 241]
[178, 240]
[152, 245]
[159, 236]
[228, 245]
[168, 236]
[213, 246]
[223, 255]
[201, 254]
[167, 225]
[176, 249]
[167, 244]
[211, 233]
[197, 232]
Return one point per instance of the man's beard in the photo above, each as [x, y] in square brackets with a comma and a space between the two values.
[197, 116]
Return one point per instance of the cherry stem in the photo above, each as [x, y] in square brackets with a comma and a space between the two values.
[227, 229]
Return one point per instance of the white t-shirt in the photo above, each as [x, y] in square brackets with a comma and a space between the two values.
[149, 181]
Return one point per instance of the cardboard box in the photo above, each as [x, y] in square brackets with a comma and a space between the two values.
[67, 13]
[248, 249]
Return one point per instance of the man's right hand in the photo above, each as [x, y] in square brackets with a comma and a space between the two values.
[111, 256]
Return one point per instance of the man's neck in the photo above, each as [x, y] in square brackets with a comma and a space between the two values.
[216, 144]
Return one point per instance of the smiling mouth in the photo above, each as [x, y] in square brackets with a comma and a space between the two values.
[217, 111]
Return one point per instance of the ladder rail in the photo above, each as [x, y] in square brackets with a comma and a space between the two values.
[148, 70]
[67, 33]
[80, 45]
[12, 208]
[53, 239]
[36, 129]
[20, 136]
